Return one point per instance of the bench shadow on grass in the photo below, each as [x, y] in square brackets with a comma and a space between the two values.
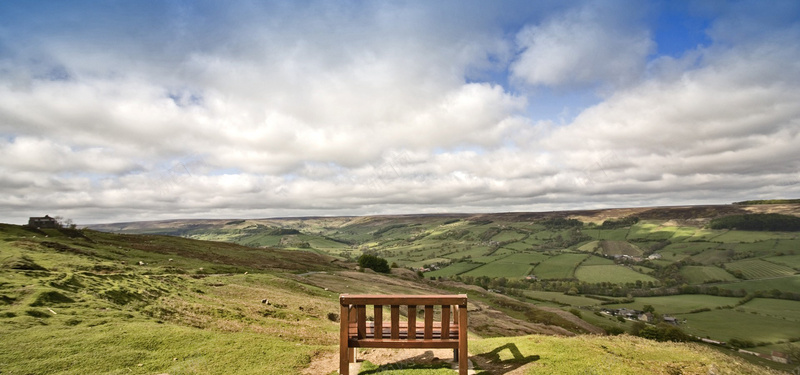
[493, 365]
[425, 361]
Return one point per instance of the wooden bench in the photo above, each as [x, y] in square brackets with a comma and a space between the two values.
[357, 332]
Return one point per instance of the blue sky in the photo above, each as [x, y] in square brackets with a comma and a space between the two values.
[122, 111]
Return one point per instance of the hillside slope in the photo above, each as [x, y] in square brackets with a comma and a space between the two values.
[78, 302]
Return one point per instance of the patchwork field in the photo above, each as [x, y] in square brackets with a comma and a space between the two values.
[642, 256]
[680, 304]
[759, 269]
[610, 273]
[559, 267]
[727, 324]
[705, 274]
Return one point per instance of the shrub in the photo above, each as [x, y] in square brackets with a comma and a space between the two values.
[373, 262]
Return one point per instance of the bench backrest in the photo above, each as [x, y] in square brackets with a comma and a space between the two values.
[354, 311]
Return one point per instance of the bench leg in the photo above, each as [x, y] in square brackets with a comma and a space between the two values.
[455, 355]
[345, 353]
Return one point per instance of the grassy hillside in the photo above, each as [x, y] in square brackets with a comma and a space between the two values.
[79, 301]
[588, 258]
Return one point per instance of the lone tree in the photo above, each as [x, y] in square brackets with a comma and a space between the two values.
[377, 264]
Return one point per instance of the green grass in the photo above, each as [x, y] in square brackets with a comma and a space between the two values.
[787, 260]
[741, 236]
[680, 303]
[407, 368]
[759, 269]
[624, 355]
[607, 234]
[147, 348]
[561, 298]
[513, 265]
[787, 283]
[453, 269]
[651, 231]
[559, 267]
[597, 261]
[620, 248]
[787, 246]
[704, 274]
[782, 309]
[754, 327]
[610, 273]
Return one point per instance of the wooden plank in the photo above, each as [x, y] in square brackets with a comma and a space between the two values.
[395, 334]
[389, 343]
[428, 322]
[366, 299]
[361, 312]
[412, 322]
[344, 363]
[462, 339]
[378, 321]
[445, 321]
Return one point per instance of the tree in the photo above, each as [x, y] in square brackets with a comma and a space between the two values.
[373, 262]
[649, 308]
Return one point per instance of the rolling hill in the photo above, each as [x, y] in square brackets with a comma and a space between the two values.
[262, 296]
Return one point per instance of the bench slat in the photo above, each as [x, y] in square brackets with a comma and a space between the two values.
[445, 321]
[388, 343]
[457, 299]
[412, 322]
[379, 319]
[395, 322]
[361, 313]
[428, 322]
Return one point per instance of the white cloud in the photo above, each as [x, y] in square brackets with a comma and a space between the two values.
[586, 46]
[269, 110]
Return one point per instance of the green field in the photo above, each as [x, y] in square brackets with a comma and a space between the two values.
[597, 261]
[786, 284]
[782, 309]
[620, 248]
[606, 355]
[759, 269]
[610, 273]
[453, 269]
[501, 269]
[725, 324]
[512, 246]
[704, 274]
[741, 236]
[651, 231]
[559, 267]
[561, 298]
[680, 303]
[787, 260]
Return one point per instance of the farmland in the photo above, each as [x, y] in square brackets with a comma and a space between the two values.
[667, 258]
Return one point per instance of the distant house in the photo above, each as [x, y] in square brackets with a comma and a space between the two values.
[646, 317]
[670, 320]
[654, 256]
[43, 222]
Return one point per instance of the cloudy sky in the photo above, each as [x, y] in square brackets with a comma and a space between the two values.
[140, 110]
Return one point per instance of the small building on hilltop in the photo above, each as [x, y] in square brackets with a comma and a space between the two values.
[43, 222]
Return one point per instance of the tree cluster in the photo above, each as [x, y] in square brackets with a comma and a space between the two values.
[758, 222]
[373, 262]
